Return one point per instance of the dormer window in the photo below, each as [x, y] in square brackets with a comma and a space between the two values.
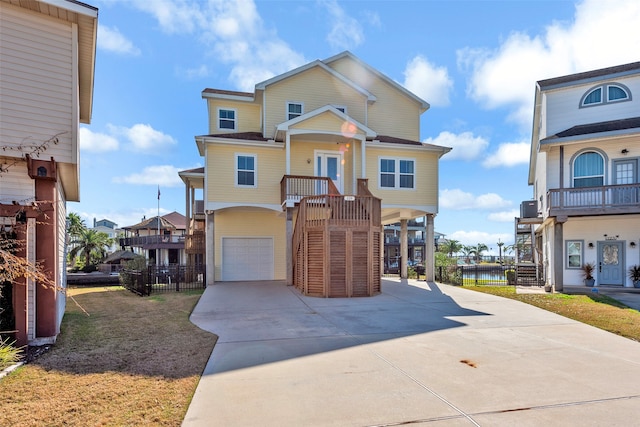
[604, 94]
[226, 119]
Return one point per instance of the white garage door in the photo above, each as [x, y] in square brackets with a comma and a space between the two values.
[249, 258]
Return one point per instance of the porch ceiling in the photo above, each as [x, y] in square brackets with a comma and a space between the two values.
[393, 215]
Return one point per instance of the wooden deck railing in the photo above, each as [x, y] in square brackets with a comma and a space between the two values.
[141, 241]
[594, 200]
[294, 187]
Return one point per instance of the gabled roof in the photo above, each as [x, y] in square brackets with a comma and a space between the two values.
[330, 109]
[317, 63]
[346, 54]
[228, 94]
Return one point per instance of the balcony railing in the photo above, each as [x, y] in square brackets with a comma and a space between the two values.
[608, 199]
[142, 241]
[293, 188]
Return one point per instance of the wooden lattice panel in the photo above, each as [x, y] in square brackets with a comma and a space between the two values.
[315, 262]
[360, 264]
[338, 264]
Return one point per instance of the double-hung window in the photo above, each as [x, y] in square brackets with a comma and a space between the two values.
[246, 170]
[294, 109]
[397, 173]
[226, 119]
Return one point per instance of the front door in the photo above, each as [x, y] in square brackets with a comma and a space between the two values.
[329, 164]
[610, 263]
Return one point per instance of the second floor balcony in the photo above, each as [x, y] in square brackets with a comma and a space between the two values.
[604, 200]
[154, 242]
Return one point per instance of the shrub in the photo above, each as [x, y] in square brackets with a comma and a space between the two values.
[8, 353]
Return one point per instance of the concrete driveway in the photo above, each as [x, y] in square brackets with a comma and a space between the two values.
[417, 354]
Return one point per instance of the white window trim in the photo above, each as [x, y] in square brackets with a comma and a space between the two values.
[235, 119]
[604, 98]
[286, 111]
[397, 173]
[236, 170]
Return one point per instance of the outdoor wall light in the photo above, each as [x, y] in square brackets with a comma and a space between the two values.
[590, 245]
[624, 151]
[632, 244]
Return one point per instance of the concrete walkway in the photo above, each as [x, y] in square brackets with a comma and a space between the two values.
[417, 354]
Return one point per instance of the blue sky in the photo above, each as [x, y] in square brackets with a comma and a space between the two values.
[475, 62]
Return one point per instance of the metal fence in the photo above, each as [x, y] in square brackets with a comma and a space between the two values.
[477, 274]
[168, 278]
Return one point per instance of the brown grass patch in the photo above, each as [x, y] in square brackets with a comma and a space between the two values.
[596, 310]
[120, 360]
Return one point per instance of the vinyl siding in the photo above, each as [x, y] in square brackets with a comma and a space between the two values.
[563, 112]
[303, 160]
[252, 223]
[221, 186]
[248, 117]
[426, 178]
[36, 82]
[315, 88]
[16, 183]
[394, 113]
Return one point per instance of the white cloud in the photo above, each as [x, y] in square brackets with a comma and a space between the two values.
[504, 216]
[144, 138]
[194, 73]
[506, 76]
[465, 146]
[508, 154]
[346, 32]
[460, 200]
[428, 81]
[96, 142]
[110, 39]
[233, 31]
[162, 175]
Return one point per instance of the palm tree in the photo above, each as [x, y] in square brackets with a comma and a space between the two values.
[75, 224]
[90, 242]
[450, 247]
[478, 249]
[467, 251]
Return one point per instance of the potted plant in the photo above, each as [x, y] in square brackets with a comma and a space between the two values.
[634, 275]
[587, 274]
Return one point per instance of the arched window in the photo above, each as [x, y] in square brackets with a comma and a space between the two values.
[588, 170]
[594, 97]
[617, 93]
[604, 94]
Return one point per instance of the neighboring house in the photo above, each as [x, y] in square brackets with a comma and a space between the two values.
[47, 59]
[585, 150]
[111, 229]
[416, 232]
[161, 242]
[301, 174]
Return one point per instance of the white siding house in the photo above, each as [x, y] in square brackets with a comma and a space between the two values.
[585, 156]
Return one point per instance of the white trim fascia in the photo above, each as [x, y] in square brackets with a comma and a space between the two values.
[73, 6]
[206, 95]
[317, 63]
[407, 147]
[206, 140]
[216, 206]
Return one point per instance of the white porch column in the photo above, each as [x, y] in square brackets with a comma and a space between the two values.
[210, 254]
[429, 250]
[287, 149]
[404, 248]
